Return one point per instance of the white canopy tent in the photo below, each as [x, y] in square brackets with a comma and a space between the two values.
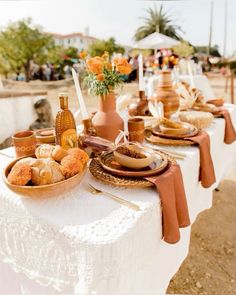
[156, 41]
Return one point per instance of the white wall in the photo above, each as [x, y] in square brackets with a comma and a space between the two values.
[16, 114]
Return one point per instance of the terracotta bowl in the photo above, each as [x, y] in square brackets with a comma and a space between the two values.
[134, 163]
[42, 191]
[46, 135]
[174, 131]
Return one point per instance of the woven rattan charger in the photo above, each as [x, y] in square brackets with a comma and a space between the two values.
[99, 173]
[166, 141]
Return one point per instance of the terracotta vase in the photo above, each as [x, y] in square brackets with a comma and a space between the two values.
[166, 94]
[107, 121]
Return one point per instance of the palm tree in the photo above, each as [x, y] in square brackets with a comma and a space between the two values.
[157, 21]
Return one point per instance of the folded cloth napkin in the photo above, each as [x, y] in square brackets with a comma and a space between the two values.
[173, 201]
[218, 102]
[207, 172]
[230, 133]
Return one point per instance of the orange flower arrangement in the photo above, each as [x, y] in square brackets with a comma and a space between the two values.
[95, 65]
[122, 65]
[103, 76]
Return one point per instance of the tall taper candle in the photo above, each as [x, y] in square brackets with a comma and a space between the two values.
[191, 74]
[140, 73]
[83, 109]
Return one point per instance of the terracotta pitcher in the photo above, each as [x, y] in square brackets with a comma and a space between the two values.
[107, 121]
[166, 94]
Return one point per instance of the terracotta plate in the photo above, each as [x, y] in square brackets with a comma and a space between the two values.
[108, 163]
[192, 132]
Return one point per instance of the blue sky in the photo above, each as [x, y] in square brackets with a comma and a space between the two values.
[120, 19]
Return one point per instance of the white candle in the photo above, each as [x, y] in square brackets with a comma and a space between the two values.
[190, 74]
[83, 109]
[140, 73]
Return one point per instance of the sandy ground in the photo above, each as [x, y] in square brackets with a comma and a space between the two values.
[210, 267]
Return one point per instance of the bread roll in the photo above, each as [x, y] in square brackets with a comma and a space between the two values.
[46, 171]
[170, 124]
[58, 153]
[44, 151]
[20, 174]
[71, 166]
[79, 154]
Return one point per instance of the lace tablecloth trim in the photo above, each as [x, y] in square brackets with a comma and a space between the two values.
[64, 258]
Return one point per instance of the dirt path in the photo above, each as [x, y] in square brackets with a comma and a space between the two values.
[210, 267]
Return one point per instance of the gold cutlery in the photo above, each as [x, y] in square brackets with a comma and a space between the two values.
[129, 204]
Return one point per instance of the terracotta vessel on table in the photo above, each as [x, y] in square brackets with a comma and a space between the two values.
[136, 129]
[24, 143]
[141, 107]
[107, 121]
[166, 94]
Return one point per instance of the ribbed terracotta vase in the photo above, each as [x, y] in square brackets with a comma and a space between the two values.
[107, 121]
[166, 94]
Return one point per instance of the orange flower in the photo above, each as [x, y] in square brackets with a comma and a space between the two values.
[100, 77]
[108, 66]
[95, 65]
[82, 54]
[122, 65]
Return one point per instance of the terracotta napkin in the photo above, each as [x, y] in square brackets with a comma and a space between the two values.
[207, 172]
[173, 200]
[230, 133]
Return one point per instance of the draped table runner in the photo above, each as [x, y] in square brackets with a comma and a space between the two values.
[81, 244]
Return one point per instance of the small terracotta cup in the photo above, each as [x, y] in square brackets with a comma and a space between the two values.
[136, 129]
[24, 143]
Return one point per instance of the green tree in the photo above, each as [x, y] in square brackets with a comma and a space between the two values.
[5, 67]
[23, 42]
[157, 21]
[214, 51]
[100, 46]
[71, 52]
[184, 49]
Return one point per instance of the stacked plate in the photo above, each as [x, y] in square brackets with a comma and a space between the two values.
[121, 169]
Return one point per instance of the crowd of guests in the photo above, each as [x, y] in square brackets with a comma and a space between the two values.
[162, 59]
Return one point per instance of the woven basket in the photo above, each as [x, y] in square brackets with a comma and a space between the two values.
[197, 118]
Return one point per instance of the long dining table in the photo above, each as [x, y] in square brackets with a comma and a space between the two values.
[78, 243]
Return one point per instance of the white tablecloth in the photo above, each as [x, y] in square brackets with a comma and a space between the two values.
[200, 81]
[80, 244]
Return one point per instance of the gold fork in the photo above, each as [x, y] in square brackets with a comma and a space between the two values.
[93, 190]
